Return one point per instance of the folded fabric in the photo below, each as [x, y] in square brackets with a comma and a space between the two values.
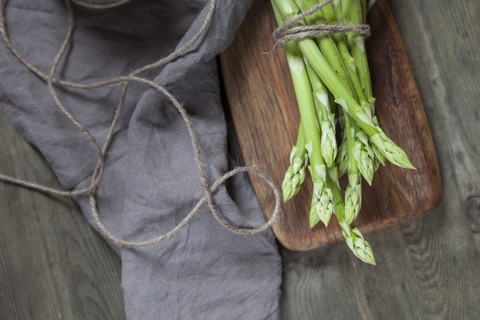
[150, 181]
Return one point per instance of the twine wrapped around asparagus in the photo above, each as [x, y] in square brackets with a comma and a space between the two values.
[325, 47]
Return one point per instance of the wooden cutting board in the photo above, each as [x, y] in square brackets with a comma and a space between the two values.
[265, 114]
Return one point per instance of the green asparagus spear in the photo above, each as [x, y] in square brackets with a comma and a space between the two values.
[322, 203]
[353, 193]
[364, 154]
[353, 237]
[357, 244]
[295, 174]
[326, 118]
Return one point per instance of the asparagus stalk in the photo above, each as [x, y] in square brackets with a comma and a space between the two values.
[337, 54]
[326, 44]
[342, 158]
[295, 174]
[378, 155]
[364, 154]
[349, 62]
[343, 97]
[356, 14]
[353, 12]
[357, 244]
[353, 237]
[322, 202]
[353, 193]
[326, 118]
[363, 5]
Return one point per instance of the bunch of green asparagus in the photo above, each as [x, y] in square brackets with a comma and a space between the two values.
[334, 93]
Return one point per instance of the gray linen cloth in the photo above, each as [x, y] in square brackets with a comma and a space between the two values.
[150, 181]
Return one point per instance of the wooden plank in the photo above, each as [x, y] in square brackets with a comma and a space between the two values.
[53, 265]
[265, 114]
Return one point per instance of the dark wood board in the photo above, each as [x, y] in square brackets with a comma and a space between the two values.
[265, 113]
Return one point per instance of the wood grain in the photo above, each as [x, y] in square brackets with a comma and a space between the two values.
[265, 114]
[53, 265]
[427, 268]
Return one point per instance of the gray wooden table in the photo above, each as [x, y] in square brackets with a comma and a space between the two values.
[53, 265]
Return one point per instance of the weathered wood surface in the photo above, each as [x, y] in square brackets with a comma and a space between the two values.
[52, 263]
[262, 101]
[427, 268]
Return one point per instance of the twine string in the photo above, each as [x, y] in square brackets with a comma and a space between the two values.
[101, 152]
[290, 30]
